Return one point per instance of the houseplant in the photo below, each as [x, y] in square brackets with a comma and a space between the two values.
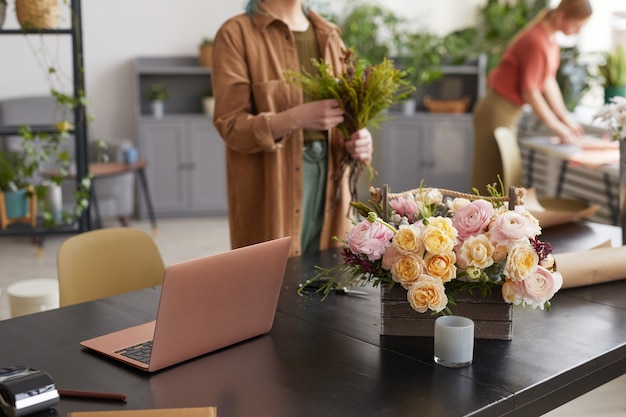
[613, 73]
[573, 76]
[208, 102]
[205, 52]
[37, 14]
[157, 94]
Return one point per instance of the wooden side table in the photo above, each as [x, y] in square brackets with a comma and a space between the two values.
[100, 170]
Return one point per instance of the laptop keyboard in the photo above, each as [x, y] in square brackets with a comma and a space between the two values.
[139, 352]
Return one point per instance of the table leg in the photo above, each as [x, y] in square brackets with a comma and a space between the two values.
[559, 186]
[529, 172]
[146, 193]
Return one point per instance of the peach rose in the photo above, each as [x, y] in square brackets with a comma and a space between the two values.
[441, 266]
[477, 251]
[407, 269]
[521, 262]
[439, 240]
[407, 240]
[427, 293]
[473, 218]
[511, 293]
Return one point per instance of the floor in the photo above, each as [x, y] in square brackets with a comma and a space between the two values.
[183, 239]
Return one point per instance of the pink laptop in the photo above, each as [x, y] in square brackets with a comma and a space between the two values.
[206, 304]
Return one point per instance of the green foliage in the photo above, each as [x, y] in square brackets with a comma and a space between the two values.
[573, 76]
[157, 92]
[363, 90]
[206, 42]
[364, 27]
[613, 71]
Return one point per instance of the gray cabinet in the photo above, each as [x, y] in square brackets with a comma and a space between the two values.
[434, 148]
[186, 168]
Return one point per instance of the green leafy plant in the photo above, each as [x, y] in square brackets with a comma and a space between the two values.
[573, 76]
[206, 42]
[370, 30]
[208, 93]
[613, 70]
[157, 92]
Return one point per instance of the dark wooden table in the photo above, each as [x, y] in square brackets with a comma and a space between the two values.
[328, 359]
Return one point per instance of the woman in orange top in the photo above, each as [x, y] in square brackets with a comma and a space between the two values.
[526, 74]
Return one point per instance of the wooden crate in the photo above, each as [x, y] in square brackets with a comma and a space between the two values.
[491, 315]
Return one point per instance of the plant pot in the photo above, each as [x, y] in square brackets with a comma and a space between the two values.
[613, 91]
[158, 109]
[206, 54]
[408, 107]
[37, 14]
[16, 203]
[208, 104]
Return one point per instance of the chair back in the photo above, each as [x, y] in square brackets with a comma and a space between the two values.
[106, 262]
[511, 157]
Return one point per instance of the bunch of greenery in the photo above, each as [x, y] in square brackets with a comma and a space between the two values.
[573, 76]
[613, 70]
[363, 91]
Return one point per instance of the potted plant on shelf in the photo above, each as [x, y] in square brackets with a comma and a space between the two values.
[613, 73]
[206, 52]
[208, 102]
[157, 94]
[17, 199]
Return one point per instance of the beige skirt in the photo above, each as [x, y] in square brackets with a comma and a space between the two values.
[490, 112]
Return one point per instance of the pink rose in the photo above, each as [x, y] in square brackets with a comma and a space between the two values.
[369, 239]
[472, 219]
[510, 226]
[535, 290]
[404, 205]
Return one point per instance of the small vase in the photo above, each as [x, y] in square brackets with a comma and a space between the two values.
[622, 189]
[54, 201]
[208, 104]
[408, 107]
[158, 109]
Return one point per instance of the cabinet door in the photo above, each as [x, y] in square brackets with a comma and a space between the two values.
[403, 159]
[448, 141]
[207, 178]
[162, 144]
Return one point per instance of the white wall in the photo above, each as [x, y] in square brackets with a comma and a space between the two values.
[117, 31]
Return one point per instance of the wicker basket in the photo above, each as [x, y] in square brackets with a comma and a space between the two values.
[37, 14]
[447, 106]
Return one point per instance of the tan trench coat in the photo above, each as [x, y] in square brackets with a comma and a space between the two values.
[265, 177]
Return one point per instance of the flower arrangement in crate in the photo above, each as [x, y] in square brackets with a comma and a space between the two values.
[434, 242]
[614, 113]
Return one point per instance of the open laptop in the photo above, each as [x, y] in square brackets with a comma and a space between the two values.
[206, 304]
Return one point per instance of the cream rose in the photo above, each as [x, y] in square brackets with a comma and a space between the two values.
[477, 251]
[456, 203]
[521, 262]
[407, 240]
[439, 240]
[441, 266]
[407, 269]
[427, 293]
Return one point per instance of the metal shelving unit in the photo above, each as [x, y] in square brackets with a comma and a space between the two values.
[80, 126]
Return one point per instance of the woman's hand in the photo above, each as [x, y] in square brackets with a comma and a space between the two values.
[360, 146]
[317, 115]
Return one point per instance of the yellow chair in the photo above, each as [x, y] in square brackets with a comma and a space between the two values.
[511, 157]
[106, 262]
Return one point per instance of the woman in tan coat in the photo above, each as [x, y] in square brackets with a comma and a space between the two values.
[283, 153]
